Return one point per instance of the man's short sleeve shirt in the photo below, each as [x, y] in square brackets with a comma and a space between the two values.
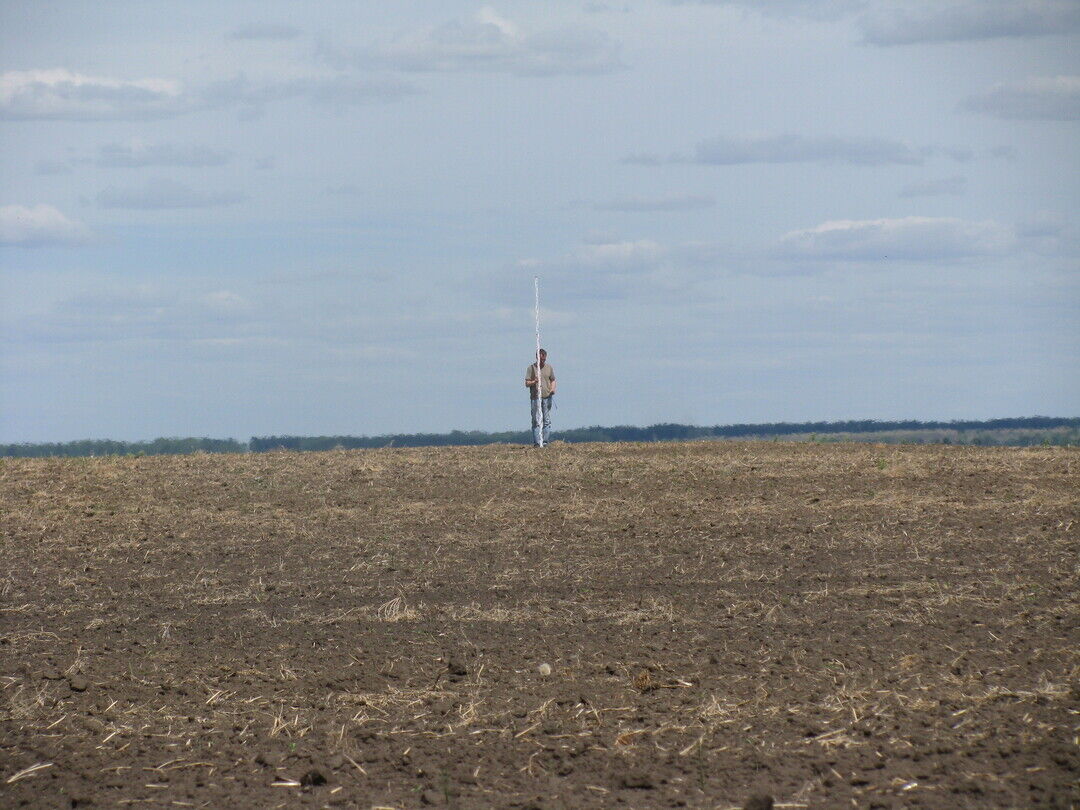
[547, 377]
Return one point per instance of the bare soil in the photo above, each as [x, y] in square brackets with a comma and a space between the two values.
[703, 625]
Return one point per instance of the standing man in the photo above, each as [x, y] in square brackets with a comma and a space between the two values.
[540, 399]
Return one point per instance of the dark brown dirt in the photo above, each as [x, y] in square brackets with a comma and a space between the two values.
[679, 625]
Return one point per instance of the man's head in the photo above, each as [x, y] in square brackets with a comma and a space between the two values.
[543, 357]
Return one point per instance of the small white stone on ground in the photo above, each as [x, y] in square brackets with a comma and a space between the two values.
[544, 669]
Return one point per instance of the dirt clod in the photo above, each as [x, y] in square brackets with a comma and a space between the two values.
[78, 683]
[761, 801]
[636, 780]
[268, 759]
[431, 797]
[313, 778]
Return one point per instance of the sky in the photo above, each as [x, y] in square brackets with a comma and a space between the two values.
[266, 218]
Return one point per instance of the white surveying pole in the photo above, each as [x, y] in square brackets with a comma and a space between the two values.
[539, 385]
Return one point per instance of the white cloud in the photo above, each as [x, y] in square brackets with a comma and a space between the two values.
[334, 89]
[605, 8]
[955, 185]
[266, 31]
[789, 147]
[165, 194]
[908, 238]
[492, 43]
[225, 301]
[625, 254]
[961, 154]
[119, 307]
[53, 167]
[137, 153]
[152, 311]
[488, 16]
[39, 226]
[60, 94]
[676, 202]
[1051, 234]
[794, 148]
[602, 267]
[1043, 224]
[375, 353]
[906, 22]
[808, 9]
[1055, 98]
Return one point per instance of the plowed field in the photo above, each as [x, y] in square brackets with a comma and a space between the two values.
[697, 625]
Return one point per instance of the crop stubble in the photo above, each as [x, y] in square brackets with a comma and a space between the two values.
[833, 626]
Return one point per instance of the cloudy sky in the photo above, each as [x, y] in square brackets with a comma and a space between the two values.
[254, 218]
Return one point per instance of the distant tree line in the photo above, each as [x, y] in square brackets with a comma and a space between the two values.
[665, 432]
[455, 438]
[109, 447]
[1016, 431]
